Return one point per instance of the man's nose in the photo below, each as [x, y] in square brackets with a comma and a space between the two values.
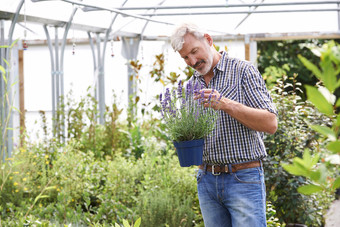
[192, 61]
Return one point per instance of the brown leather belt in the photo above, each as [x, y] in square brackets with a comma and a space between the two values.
[218, 169]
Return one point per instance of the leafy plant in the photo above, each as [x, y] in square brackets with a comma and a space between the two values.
[325, 175]
[282, 55]
[292, 137]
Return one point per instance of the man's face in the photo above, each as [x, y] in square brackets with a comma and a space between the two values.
[197, 54]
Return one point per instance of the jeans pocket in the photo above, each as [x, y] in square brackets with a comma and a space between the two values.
[250, 176]
[199, 175]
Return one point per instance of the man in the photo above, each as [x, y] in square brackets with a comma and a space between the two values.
[230, 183]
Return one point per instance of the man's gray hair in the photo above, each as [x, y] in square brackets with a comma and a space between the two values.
[177, 38]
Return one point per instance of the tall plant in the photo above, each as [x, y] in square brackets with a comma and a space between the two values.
[324, 175]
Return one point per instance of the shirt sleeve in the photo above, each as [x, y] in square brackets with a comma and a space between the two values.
[256, 93]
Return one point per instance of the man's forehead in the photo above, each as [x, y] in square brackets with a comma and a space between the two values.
[186, 51]
[190, 43]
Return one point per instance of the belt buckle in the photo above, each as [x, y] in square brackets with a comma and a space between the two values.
[213, 171]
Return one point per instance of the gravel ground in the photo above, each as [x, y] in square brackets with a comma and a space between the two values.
[333, 215]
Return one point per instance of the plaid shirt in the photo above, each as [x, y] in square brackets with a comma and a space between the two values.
[232, 142]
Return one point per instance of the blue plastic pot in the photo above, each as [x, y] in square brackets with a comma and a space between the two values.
[190, 152]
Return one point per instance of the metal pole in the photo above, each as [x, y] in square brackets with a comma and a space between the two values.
[227, 5]
[57, 80]
[67, 28]
[115, 11]
[242, 12]
[108, 33]
[101, 84]
[2, 94]
[338, 17]
[101, 70]
[14, 21]
[7, 119]
[53, 75]
[94, 65]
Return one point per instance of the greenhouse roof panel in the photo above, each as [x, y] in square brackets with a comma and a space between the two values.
[157, 17]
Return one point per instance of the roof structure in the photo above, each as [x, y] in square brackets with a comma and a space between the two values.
[155, 18]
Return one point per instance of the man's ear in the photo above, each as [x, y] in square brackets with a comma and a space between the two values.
[209, 39]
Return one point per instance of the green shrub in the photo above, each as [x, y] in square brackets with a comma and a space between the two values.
[164, 208]
[290, 140]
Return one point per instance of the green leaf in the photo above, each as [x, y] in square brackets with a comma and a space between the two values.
[309, 189]
[304, 164]
[50, 188]
[328, 75]
[337, 122]
[315, 160]
[40, 197]
[309, 65]
[315, 175]
[337, 104]
[334, 146]
[338, 82]
[320, 102]
[7, 63]
[329, 133]
[15, 41]
[16, 109]
[336, 183]
[323, 174]
[126, 223]
[138, 222]
[43, 196]
[293, 169]
[2, 69]
[307, 157]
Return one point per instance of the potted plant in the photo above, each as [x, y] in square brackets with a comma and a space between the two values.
[187, 121]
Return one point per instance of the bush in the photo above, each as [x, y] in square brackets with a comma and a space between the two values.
[77, 188]
[290, 140]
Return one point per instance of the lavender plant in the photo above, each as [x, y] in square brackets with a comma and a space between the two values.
[184, 114]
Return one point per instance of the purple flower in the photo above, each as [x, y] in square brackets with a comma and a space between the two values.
[188, 91]
[167, 100]
[202, 95]
[183, 103]
[196, 88]
[179, 89]
[160, 99]
[209, 98]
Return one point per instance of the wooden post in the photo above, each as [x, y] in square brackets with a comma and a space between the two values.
[21, 96]
[247, 47]
[247, 51]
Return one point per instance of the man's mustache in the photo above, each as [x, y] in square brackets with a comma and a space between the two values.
[197, 63]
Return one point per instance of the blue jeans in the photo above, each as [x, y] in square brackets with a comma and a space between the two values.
[236, 199]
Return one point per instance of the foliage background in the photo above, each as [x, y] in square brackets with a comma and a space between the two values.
[277, 58]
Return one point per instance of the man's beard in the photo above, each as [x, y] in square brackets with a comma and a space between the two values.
[207, 64]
